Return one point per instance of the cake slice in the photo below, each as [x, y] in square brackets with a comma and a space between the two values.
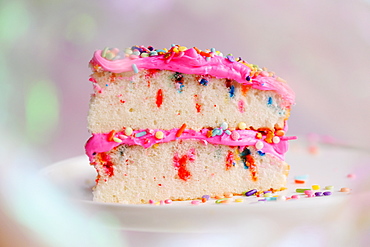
[182, 123]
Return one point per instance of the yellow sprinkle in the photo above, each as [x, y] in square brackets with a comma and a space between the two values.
[239, 200]
[182, 48]
[242, 126]
[117, 139]
[280, 79]
[315, 187]
[159, 135]
[259, 135]
[128, 131]
[155, 145]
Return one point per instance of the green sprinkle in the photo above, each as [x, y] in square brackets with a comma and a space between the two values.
[104, 52]
[301, 190]
[268, 195]
[329, 187]
[220, 200]
[144, 54]
[109, 55]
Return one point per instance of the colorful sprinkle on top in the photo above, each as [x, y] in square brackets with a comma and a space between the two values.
[180, 59]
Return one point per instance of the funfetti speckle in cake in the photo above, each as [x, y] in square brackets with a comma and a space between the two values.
[180, 123]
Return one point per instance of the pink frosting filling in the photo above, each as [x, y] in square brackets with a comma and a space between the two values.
[99, 143]
[193, 63]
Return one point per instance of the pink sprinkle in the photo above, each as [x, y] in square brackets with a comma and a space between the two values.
[351, 175]
[308, 192]
[235, 135]
[161, 202]
[151, 202]
[311, 195]
[168, 201]
[195, 202]
[241, 106]
[295, 197]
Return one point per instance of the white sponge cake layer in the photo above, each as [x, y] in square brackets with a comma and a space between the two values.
[184, 170]
[166, 100]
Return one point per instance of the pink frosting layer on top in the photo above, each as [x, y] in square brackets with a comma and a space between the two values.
[190, 62]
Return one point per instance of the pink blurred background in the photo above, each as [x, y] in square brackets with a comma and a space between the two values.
[322, 48]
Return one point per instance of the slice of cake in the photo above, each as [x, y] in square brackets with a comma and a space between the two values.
[182, 123]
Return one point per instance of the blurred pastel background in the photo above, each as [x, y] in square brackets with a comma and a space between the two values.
[322, 48]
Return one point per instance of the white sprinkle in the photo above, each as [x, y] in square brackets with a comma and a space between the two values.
[259, 145]
[276, 139]
[281, 198]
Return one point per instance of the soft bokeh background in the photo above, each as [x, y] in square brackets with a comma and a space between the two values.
[322, 48]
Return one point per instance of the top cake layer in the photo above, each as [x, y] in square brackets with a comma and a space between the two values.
[192, 61]
[145, 96]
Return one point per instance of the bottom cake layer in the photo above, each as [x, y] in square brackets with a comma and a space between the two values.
[184, 170]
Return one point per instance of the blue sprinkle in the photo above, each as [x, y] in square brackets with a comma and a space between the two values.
[232, 91]
[248, 78]
[160, 50]
[228, 132]
[243, 155]
[213, 49]
[137, 48]
[261, 153]
[269, 101]
[134, 67]
[203, 82]
[301, 177]
[106, 85]
[208, 59]
[216, 132]
[230, 58]
[181, 87]
[270, 198]
[224, 125]
[140, 134]
[153, 53]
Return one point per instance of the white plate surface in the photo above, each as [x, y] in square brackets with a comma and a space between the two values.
[330, 166]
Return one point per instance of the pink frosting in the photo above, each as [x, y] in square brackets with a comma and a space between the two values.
[99, 142]
[190, 62]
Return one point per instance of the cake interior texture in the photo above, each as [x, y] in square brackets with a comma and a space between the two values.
[161, 131]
